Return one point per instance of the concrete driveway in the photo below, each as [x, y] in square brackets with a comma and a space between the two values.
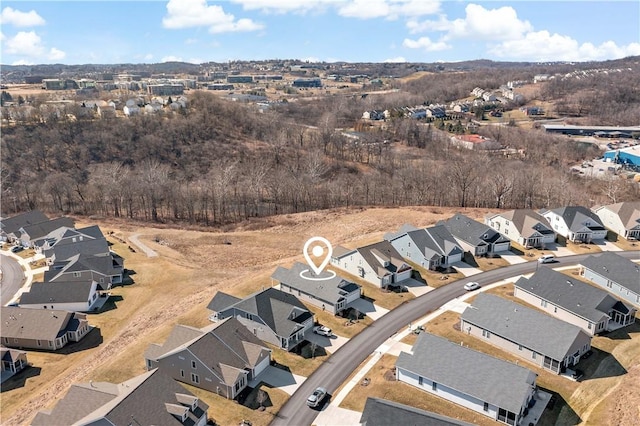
[557, 250]
[415, 287]
[512, 258]
[330, 344]
[368, 308]
[466, 269]
[279, 378]
[607, 245]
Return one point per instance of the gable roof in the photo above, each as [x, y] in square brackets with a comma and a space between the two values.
[37, 324]
[222, 301]
[573, 295]
[615, 268]
[472, 231]
[12, 224]
[383, 251]
[435, 240]
[58, 292]
[92, 247]
[628, 212]
[330, 290]
[473, 373]
[576, 216]
[11, 355]
[102, 265]
[382, 412]
[528, 222]
[531, 328]
[140, 400]
[274, 307]
[42, 229]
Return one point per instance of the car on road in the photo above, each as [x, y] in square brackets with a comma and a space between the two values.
[322, 330]
[316, 397]
[17, 249]
[547, 258]
[470, 286]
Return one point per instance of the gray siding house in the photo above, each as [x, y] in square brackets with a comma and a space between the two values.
[475, 237]
[489, 386]
[327, 291]
[47, 330]
[13, 361]
[105, 270]
[10, 226]
[151, 398]
[536, 337]
[30, 235]
[272, 315]
[378, 263]
[615, 274]
[382, 412]
[431, 248]
[221, 358]
[578, 303]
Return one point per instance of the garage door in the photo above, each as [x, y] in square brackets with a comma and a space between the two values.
[260, 367]
[501, 247]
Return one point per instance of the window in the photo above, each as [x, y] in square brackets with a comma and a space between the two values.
[486, 333]
[434, 386]
[6, 340]
[609, 284]
[506, 222]
[195, 378]
[519, 347]
[193, 364]
[77, 274]
[38, 342]
[420, 381]
[486, 406]
[589, 326]
[555, 309]
[543, 303]
[181, 373]
[533, 355]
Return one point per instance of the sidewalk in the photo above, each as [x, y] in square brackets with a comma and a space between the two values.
[28, 272]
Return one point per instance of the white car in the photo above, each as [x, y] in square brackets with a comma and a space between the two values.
[470, 286]
[316, 397]
[322, 330]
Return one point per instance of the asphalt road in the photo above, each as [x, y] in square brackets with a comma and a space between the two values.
[12, 278]
[333, 372]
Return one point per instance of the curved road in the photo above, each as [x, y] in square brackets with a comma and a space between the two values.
[333, 372]
[12, 278]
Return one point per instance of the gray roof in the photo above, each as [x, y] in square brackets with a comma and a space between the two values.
[57, 292]
[42, 229]
[575, 296]
[330, 290]
[100, 265]
[141, 400]
[527, 222]
[222, 301]
[525, 326]
[407, 227]
[435, 240]
[37, 324]
[472, 231]
[382, 412]
[473, 373]
[274, 307]
[576, 216]
[93, 247]
[615, 268]
[628, 212]
[377, 253]
[12, 224]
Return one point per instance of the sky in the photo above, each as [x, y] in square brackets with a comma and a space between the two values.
[197, 31]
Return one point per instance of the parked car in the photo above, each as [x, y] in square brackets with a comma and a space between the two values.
[470, 286]
[322, 330]
[316, 397]
[17, 249]
[546, 258]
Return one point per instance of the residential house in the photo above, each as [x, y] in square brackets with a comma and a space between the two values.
[106, 270]
[328, 291]
[530, 334]
[378, 263]
[68, 236]
[274, 316]
[10, 226]
[495, 388]
[615, 274]
[373, 115]
[576, 224]
[574, 301]
[130, 110]
[524, 227]
[41, 329]
[221, 358]
[474, 142]
[621, 218]
[13, 361]
[382, 412]
[76, 296]
[432, 247]
[151, 398]
[475, 237]
[30, 234]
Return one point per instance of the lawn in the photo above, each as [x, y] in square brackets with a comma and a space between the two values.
[340, 326]
[301, 365]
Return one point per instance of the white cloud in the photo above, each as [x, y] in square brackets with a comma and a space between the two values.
[22, 62]
[389, 9]
[20, 19]
[398, 59]
[285, 6]
[196, 13]
[148, 57]
[544, 46]
[425, 43]
[24, 43]
[56, 54]
[171, 58]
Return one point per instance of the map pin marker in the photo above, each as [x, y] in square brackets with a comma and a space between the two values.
[317, 251]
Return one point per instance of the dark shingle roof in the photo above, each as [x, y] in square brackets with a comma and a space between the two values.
[94, 247]
[12, 224]
[42, 229]
[530, 328]
[472, 231]
[36, 324]
[57, 292]
[575, 296]
[382, 412]
[576, 216]
[615, 268]
[222, 301]
[330, 290]
[628, 212]
[473, 373]
[435, 240]
[382, 250]
[528, 222]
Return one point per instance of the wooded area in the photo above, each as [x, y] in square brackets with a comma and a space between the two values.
[219, 162]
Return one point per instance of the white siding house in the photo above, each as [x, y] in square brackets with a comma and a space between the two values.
[621, 218]
[576, 224]
[74, 296]
[524, 227]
